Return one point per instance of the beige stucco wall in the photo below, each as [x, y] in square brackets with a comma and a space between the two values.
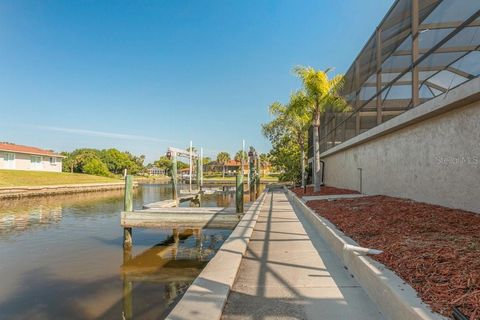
[24, 162]
[435, 160]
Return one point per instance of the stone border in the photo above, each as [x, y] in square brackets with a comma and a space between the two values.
[34, 191]
[396, 299]
[207, 295]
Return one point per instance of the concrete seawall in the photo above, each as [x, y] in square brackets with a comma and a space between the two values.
[35, 191]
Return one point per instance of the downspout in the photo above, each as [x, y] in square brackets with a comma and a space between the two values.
[323, 172]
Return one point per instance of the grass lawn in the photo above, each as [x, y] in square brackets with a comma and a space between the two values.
[15, 178]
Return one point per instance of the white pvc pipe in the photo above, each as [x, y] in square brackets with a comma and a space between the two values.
[201, 166]
[191, 166]
[349, 247]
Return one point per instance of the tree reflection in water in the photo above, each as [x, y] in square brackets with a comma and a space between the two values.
[175, 262]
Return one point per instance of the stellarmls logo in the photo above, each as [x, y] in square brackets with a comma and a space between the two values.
[469, 160]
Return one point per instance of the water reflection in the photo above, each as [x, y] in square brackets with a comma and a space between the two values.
[175, 262]
[61, 257]
[20, 215]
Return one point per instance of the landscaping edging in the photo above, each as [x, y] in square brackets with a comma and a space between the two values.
[395, 298]
[207, 295]
[34, 191]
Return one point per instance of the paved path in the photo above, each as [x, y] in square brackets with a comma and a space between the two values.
[285, 274]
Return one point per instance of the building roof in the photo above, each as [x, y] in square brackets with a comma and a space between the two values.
[233, 163]
[5, 146]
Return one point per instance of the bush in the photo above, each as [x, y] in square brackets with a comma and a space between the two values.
[96, 167]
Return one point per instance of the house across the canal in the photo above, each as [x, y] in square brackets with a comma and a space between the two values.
[231, 167]
[18, 157]
[155, 171]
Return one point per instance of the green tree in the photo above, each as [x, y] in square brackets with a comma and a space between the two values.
[264, 160]
[284, 158]
[322, 94]
[223, 158]
[290, 124]
[70, 162]
[164, 163]
[194, 149]
[238, 155]
[115, 161]
[96, 167]
[137, 163]
[182, 165]
[76, 159]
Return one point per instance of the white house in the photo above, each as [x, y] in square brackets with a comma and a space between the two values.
[154, 171]
[18, 157]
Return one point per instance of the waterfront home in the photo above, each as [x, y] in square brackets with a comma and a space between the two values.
[231, 167]
[18, 157]
[155, 171]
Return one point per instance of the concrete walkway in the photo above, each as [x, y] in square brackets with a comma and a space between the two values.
[288, 272]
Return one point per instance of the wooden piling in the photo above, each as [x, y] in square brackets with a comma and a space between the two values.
[252, 178]
[257, 184]
[128, 207]
[174, 177]
[239, 192]
[127, 312]
[199, 173]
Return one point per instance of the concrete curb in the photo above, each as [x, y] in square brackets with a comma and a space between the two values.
[206, 297]
[396, 299]
[33, 191]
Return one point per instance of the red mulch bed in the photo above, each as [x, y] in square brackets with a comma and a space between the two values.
[434, 249]
[324, 191]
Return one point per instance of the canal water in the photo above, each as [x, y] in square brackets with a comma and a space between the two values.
[61, 257]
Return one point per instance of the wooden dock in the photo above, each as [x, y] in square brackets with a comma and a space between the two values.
[179, 217]
[194, 197]
[169, 214]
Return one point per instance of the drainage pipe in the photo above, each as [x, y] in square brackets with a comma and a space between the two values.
[323, 172]
[349, 247]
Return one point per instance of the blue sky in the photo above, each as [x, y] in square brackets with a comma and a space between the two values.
[144, 75]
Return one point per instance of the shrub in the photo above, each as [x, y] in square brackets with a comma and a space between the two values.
[96, 167]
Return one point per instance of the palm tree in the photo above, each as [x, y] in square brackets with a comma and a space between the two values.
[238, 156]
[264, 161]
[291, 120]
[321, 93]
[223, 158]
[194, 150]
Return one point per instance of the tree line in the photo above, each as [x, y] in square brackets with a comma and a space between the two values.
[106, 162]
[110, 162]
[288, 131]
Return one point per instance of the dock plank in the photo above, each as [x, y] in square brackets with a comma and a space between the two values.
[216, 217]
